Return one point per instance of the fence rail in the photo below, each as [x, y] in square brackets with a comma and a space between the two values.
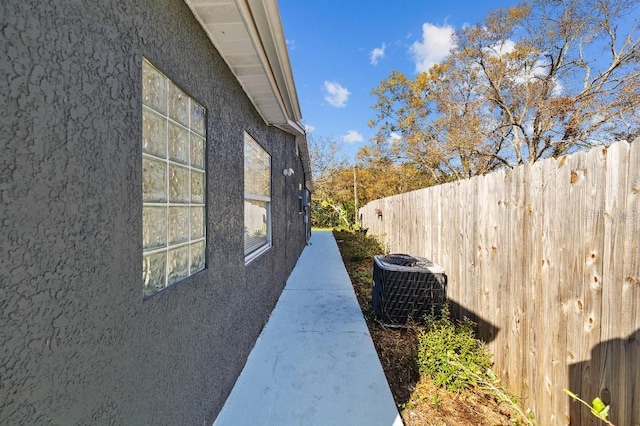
[546, 258]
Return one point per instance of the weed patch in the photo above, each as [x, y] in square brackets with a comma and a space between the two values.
[450, 354]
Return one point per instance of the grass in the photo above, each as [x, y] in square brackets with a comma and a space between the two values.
[419, 399]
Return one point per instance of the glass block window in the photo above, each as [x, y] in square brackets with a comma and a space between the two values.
[257, 199]
[173, 182]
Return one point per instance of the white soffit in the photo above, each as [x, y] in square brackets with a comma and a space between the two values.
[249, 36]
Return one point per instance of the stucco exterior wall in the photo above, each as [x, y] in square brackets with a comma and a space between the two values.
[79, 345]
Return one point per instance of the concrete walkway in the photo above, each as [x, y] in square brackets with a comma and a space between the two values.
[314, 362]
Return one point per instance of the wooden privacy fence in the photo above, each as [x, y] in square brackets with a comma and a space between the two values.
[546, 258]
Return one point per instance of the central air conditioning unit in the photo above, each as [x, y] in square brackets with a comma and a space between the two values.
[407, 288]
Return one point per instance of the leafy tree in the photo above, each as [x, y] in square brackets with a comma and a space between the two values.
[381, 177]
[327, 202]
[325, 157]
[538, 80]
[333, 202]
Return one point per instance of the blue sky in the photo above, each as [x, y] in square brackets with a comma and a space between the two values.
[340, 50]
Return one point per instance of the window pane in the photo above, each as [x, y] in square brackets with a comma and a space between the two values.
[197, 256]
[178, 105]
[154, 129]
[197, 187]
[154, 272]
[154, 227]
[178, 184]
[257, 169]
[178, 224]
[197, 151]
[197, 222]
[154, 88]
[197, 118]
[255, 225]
[178, 143]
[178, 264]
[154, 180]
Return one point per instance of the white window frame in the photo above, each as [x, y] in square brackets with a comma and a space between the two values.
[262, 198]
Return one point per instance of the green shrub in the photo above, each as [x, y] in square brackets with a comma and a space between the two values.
[451, 354]
[357, 246]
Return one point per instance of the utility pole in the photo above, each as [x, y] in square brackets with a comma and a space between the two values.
[355, 196]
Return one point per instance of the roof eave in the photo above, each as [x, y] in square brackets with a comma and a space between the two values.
[248, 35]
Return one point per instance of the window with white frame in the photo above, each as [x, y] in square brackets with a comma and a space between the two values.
[173, 182]
[257, 199]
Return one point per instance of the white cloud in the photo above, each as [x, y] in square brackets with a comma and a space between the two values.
[394, 137]
[377, 53]
[504, 47]
[291, 44]
[337, 95]
[352, 136]
[434, 47]
[309, 128]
